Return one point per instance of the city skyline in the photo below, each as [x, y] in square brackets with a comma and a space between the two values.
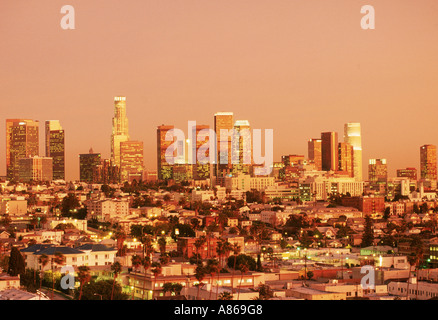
[336, 145]
[298, 68]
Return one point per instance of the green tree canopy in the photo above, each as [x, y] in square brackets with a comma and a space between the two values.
[16, 263]
[242, 259]
[96, 290]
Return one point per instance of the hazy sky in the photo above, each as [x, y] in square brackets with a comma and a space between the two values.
[298, 67]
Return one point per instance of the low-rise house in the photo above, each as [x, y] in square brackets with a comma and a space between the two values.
[17, 294]
[419, 291]
[307, 293]
[8, 282]
[85, 255]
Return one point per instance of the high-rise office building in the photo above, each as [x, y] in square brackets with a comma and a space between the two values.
[428, 162]
[22, 141]
[241, 148]
[201, 170]
[377, 171]
[410, 173]
[329, 151]
[88, 165]
[223, 121]
[38, 169]
[106, 172]
[314, 152]
[120, 129]
[352, 135]
[55, 147]
[164, 168]
[346, 158]
[131, 161]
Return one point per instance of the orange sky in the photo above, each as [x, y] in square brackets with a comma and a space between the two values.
[299, 67]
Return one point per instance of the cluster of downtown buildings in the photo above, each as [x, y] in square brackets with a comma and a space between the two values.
[326, 187]
[338, 165]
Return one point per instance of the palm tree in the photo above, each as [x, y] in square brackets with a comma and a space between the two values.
[162, 244]
[43, 260]
[199, 275]
[120, 237]
[198, 245]
[116, 267]
[83, 276]
[243, 269]
[156, 270]
[412, 259]
[213, 268]
[146, 263]
[57, 259]
[136, 263]
[236, 250]
[225, 296]
[148, 249]
[223, 248]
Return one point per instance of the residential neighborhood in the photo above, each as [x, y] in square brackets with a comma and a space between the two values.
[151, 241]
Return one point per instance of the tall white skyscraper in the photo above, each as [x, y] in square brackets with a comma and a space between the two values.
[120, 129]
[352, 135]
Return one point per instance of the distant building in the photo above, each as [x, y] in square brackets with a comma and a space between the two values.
[22, 141]
[88, 163]
[428, 162]
[164, 168]
[241, 156]
[106, 172]
[120, 129]
[223, 121]
[314, 152]
[292, 160]
[13, 207]
[107, 209]
[150, 175]
[55, 148]
[201, 170]
[346, 159]
[377, 171]
[410, 173]
[368, 205]
[131, 161]
[353, 136]
[329, 151]
[35, 169]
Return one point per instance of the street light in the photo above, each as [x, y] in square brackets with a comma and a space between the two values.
[96, 294]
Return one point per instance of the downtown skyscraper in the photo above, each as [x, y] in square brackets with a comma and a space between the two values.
[346, 158]
[352, 136]
[329, 151]
[241, 148]
[22, 141]
[55, 147]
[131, 161]
[164, 168]
[314, 153]
[428, 162]
[377, 171]
[120, 129]
[201, 170]
[88, 165]
[223, 121]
